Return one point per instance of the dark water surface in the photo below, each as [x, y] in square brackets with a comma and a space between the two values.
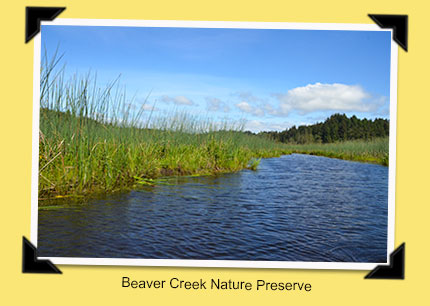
[294, 208]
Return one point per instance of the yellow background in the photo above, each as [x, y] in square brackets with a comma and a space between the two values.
[102, 285]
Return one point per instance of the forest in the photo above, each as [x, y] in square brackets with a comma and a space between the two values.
[336, 128]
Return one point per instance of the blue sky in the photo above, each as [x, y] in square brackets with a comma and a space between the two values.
[273, 79]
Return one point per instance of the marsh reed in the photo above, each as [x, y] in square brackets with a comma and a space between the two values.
[95, 139]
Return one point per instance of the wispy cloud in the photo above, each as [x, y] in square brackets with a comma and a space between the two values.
[326, 97]
[248, 108]
[259, 126]
[269, 109]
[245, 107]
[215, 105]
[248, 97]
[178, 100]
[143, 106]
[252, 104]
[147, 107]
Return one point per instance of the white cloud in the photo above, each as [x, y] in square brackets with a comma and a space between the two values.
[259, 112]
[259, 126]
[248, 97]
[215, 105]
[143, 106]
[147, 107]
[179, 100]
[270, 109]
[323, 97]
[248, 108]
[245, 107]
[254, 105]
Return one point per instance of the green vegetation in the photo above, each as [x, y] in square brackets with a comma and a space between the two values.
[94, 140]
[373, 151]
[79, 155]
[253, 163]
[337, 128]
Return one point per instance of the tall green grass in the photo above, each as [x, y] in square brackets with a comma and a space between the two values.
[79, 155]
[92, 140]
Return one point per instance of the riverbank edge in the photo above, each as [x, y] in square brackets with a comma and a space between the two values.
[356, 158]
[165, 173]
[154, 181]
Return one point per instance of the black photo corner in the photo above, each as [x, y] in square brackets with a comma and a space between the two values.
[34, 15]
[396, 268]
[30, 263]
[399, 24]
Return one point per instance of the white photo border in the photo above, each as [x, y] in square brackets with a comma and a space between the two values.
[214, 263]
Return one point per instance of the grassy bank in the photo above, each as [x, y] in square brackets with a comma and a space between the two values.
[95, 140]
[80, 156]
[372, 151]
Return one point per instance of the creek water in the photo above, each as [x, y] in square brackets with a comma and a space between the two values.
[293, 208]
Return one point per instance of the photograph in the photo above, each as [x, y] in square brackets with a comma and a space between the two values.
[214, 143]
[225, 153]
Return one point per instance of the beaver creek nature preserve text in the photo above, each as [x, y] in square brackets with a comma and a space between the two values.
[215, 284]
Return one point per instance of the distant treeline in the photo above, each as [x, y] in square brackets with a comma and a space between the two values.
[336, 128]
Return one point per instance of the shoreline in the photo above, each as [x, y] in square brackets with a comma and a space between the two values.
[358, 158]
[170, 173]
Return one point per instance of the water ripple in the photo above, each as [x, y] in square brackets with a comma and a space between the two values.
[294, 208]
